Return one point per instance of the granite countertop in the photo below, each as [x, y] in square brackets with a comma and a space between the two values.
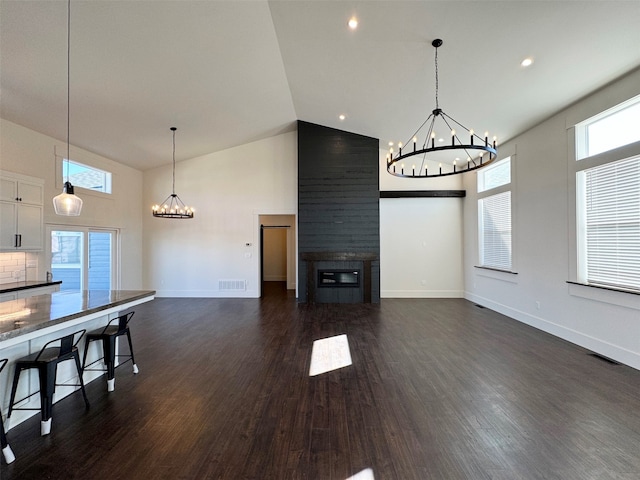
[22, 316]
[14, 286]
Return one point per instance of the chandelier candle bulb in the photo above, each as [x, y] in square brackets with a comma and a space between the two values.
[453, 137]
[471, 134]
[415, 140]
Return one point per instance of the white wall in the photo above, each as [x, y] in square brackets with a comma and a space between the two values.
[421, 239]
[229, 191]
[31, 153]
[602, 321]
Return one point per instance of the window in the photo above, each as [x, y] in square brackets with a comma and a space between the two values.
[609, 218]
[495, 175]
[608, 199]
[84, 176]
[494, 216]
[608, 130]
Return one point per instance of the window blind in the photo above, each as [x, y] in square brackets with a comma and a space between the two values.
[495, 251]
[612, 195]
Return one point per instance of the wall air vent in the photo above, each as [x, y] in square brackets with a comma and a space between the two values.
[232, 285]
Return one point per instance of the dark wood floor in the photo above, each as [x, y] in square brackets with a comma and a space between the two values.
[438, 389]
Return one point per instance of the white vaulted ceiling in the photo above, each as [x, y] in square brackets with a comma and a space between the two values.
[230, 72]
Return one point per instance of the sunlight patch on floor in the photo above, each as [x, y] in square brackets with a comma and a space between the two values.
[329, 354]
[366, 474]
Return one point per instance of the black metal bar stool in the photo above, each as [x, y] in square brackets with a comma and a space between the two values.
[108, 336]
[46, 361]
[7, 453]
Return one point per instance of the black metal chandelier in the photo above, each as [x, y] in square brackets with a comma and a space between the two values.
[172, 207]
[466, 151]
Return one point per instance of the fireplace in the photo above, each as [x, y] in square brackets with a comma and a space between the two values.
[338, 278]
[334, 277]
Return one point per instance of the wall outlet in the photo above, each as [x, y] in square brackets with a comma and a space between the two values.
[537, 305]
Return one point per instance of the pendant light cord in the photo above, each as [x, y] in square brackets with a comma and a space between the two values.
[173, 185]
[436, 61]
[68, 81]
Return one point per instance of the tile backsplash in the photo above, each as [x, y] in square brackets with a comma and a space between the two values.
[18, 267]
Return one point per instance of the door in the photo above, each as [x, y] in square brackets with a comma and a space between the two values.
[100, 260]
[83, 258]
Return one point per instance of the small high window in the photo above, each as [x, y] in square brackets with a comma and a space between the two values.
[84, 176]
[495, 175]
[608, 130]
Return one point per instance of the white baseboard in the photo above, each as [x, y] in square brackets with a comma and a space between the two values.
[275, 278]
[206, 294]
[421, 294]
[601, 347]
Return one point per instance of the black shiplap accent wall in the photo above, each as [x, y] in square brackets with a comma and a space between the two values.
[338, 197]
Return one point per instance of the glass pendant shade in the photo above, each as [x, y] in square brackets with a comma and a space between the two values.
[67, 203]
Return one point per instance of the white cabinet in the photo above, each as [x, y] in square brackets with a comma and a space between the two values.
[14, 188]
[21, 221]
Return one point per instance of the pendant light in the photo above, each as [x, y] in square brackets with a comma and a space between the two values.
[67, 203]
[172, 207]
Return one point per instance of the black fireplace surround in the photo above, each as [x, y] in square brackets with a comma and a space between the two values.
[338, 215]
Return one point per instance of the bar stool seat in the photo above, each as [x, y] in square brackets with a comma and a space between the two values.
[108, 336]
[46, 361]
[7, 453]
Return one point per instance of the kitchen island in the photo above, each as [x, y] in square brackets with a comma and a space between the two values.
[27, 324]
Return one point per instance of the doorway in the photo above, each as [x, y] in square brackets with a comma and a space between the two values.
[277, 254]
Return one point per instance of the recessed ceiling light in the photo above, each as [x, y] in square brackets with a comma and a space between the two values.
[353, 23]
[526, 62]
[342, 117]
